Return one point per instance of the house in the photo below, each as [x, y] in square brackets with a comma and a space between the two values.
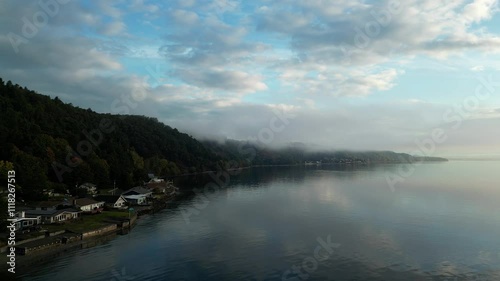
[52, 216]
[166, 187]
[138, 190]
[155, 179]
[91, 188]
[112, 201]
[136, 199]
[88, 205]
[24, 221]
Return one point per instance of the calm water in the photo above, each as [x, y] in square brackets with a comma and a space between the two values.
[441, 223]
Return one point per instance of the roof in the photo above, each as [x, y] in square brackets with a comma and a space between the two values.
[51, 213]
[153, 185]
[86, 201]
[135, 197]
[108, 198]
[87, 185]
[137, 190]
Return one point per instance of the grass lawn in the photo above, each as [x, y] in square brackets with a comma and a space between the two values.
[89, 222]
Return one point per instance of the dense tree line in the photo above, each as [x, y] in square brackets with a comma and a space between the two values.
[53, 145]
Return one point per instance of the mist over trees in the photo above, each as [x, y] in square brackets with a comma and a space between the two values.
[54, 145]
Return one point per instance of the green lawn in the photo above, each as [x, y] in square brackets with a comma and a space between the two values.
[89, 222]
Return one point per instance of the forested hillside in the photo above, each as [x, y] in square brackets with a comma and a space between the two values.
[54, 145]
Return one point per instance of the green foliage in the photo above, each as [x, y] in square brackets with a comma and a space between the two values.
[56, 145]
[5, 167]
[31, 176]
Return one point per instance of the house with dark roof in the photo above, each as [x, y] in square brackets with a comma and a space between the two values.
[112, 201]
[166, 187]
[88, 205]
[136, 199]
[138, 190]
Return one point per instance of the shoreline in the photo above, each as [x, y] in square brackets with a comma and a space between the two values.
[43, 256]
[52, 246]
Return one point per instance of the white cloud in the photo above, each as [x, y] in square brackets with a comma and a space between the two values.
[307, 57]
[477, 68]
[224, 80]
[480, 10]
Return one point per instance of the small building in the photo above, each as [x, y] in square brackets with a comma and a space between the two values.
[138, 190]
[155, 180]
[52, 216]
[88, 205]
[165, 187]
[112, 201]
[24, 221]
[136, 199]
[90, 187]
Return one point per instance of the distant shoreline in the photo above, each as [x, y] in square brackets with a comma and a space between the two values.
[313, 165]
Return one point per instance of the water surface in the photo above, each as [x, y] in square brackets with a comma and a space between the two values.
[440, 223]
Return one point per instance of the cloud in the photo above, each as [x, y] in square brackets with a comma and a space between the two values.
[222, 67]
[477, 68]
[480, 10]
[327, 31]
[224, 80]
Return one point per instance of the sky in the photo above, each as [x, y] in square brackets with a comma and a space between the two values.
[420, 77]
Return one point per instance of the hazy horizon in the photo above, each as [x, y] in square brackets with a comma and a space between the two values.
[349, 75]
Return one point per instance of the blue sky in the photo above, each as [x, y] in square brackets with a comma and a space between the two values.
[354, 74]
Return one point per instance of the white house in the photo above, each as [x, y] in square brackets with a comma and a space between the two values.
[112, 201]
[89, 205]
[24, 221]
[52, 216]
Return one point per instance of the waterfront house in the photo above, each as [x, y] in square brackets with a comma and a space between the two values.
[91, 188]
[165, 187]
[112, 201]
[24, 221]
[89, 205]
[136, 199]
[155, 180]
[52, 216]
[138, 190]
